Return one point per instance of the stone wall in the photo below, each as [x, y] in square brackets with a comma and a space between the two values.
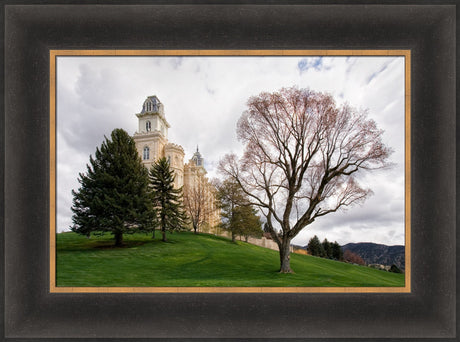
[262, 242]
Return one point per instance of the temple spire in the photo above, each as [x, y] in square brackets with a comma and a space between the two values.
[197, 158]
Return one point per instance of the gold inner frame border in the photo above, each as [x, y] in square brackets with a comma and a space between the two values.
[54, 54]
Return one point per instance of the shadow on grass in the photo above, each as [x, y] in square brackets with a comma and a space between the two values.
[219, 238]
[111, 245]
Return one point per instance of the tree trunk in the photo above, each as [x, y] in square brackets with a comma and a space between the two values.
[233, 236]
[285, 256]
[118, 239]
[163, 226]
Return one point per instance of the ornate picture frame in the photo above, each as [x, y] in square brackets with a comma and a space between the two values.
[31, 308]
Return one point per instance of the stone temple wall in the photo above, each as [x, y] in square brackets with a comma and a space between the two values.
[262, 242]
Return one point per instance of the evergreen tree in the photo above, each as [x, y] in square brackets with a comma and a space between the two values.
[167, 200]
[327, 247]
[395, 269]
[315, 247]
[266, 228]
[114, 194]
[231, 198]
[337, 252]
[247, 222]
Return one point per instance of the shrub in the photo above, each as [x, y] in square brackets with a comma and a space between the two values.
[395, 269]
[353, 258]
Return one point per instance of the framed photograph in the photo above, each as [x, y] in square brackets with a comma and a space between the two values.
[76, 76]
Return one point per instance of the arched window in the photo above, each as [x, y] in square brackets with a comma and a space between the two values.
[146, 154]
[148, 126]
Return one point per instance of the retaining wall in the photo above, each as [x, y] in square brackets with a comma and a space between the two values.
[262, 242]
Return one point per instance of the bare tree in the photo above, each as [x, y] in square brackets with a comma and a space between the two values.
[199, 202]
[302, 156]
[353, 258]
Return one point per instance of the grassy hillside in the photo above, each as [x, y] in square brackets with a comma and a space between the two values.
[197, 260]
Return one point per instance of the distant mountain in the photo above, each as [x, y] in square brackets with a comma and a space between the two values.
[373, 253]
[300, 247]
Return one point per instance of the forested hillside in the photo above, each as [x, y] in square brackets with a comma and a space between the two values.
[373, 253]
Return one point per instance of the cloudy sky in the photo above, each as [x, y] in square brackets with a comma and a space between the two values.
[203, 98]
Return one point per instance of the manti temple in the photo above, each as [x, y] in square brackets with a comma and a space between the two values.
[152, 144]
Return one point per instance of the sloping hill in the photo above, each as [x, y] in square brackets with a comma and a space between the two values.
[373, 253]
[198, 260]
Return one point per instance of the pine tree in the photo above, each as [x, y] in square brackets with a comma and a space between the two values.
[315, 247]
[327, 247]
[231, 198]
[114, 194]
[337, 252]
[167, 200]
[395, 269]
[247, 222]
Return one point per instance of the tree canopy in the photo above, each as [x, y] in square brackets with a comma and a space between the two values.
[303, 153]
[114, 195]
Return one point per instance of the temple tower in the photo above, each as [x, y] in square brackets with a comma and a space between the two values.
[152, 139]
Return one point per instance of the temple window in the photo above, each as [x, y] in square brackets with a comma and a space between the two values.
[146, 154]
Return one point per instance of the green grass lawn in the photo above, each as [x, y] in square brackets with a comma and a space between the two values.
[198, 260]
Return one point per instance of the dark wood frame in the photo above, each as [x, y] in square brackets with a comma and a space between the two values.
[31, 312]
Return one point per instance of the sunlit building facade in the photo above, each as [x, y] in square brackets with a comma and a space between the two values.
[152, 144]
